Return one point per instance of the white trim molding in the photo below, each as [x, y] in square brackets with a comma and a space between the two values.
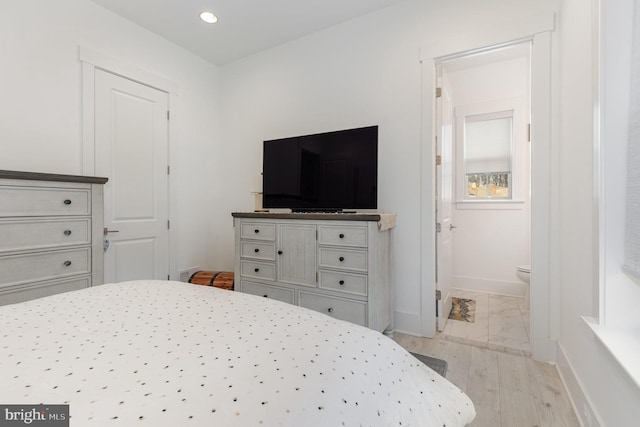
[92, 60]
[490, 37]
[580, 402]
[622, 343]
[124, 69]
[537, 29]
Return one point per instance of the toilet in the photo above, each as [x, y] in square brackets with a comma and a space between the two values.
[524, 273]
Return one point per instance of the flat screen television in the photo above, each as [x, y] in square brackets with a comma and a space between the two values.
[331, 171]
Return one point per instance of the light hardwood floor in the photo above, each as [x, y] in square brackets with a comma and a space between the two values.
[508, 390]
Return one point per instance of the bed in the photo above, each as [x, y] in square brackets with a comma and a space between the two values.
[164, 353]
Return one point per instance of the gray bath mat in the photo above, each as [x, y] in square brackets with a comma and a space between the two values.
[438, 365]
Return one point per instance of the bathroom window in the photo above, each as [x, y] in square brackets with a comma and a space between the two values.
[492, 155]
[488, 142]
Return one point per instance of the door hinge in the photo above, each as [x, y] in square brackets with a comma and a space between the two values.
[438, 227]
[168, 225]
[529, 133]
[168, 115]
[168, 170]
[438, 160]
[438, 296]
[438, 92]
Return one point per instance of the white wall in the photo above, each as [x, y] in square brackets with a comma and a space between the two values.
[40, 104]
[363, 72]
[490, 241]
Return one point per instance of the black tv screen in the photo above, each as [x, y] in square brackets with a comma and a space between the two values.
[329, 171]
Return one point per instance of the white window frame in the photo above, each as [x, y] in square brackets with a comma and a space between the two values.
[497, 115]
[617, 294]
[511, 107]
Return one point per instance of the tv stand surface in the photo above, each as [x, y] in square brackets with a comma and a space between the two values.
[322, 210]
[303, 210]
[315, 215]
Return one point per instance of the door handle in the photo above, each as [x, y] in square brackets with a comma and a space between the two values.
[451, 227]
[106, 231]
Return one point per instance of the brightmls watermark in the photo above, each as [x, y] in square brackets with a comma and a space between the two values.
[34, 415]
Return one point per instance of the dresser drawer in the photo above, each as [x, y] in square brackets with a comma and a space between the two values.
[343, 309]
[344, 259]
[350, 283]
[42, 201]
[44, 265]
[40, 234]
[258, 270]
[258, 250]
[342, 235]
[273, 292]
[258, 231]
[20, 293]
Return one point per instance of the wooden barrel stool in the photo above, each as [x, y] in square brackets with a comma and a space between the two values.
[218, 279]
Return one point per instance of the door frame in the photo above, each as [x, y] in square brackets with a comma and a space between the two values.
[92, 60]
[544, 290]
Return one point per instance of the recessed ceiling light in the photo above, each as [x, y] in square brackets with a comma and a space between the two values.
[209, 17]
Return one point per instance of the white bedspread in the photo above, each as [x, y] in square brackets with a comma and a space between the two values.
[174, 354]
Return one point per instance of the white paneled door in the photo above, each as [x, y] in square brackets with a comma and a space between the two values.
[444, 177]
[131, 149]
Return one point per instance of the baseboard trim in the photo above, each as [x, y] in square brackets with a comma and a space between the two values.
[405, 322]
[581, 405]
[499, 287]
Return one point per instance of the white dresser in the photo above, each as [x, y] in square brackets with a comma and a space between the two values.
[338, 264]
[50, 234]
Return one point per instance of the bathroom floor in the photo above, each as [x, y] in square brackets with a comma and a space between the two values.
[501, 323]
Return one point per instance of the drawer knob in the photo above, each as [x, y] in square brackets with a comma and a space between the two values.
[66, 263]
[256, 250]
[256, 231]
[67, 232]
[330, 309]
[341, 258]
[67, 202]
[256, 269]
[279, 252]
[341, 282]
[341, 236]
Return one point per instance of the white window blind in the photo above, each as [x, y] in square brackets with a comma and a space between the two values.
[632, 235]
[487, 145]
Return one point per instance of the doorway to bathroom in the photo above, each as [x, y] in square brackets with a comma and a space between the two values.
[483, 206]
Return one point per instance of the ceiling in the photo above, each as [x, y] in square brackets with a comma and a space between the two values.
[244, 26]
